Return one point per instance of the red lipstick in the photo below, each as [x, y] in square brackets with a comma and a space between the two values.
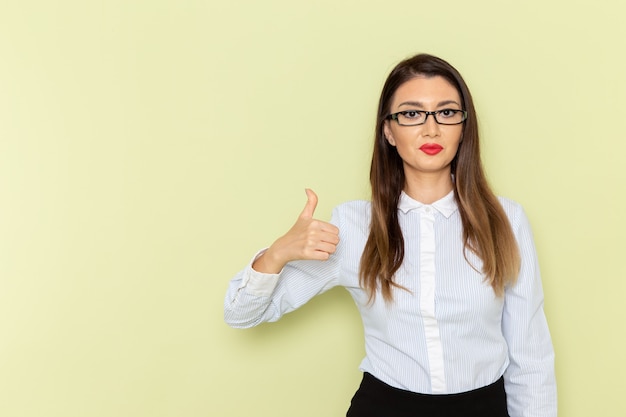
[431, 148]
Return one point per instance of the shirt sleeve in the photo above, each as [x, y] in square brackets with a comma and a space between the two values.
[529, 379]
[254, 297]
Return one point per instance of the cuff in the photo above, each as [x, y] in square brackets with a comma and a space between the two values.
[258, 283]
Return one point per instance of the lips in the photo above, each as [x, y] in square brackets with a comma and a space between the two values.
[431, 148]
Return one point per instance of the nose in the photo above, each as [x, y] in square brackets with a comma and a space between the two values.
[430, 126]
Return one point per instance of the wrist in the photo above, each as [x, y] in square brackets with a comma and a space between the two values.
[268, 263]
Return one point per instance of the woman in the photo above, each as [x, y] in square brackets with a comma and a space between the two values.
[444, 273]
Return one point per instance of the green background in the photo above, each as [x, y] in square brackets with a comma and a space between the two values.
[149, 148]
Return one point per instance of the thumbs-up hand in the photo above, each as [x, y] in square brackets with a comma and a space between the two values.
[308, 238]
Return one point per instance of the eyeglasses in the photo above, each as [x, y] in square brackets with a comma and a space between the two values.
[419, 117]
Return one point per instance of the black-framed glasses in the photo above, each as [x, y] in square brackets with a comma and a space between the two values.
[419, 117]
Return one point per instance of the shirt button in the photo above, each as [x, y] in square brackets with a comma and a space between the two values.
[427, 209]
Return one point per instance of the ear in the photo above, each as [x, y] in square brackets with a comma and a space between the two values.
[388, 134]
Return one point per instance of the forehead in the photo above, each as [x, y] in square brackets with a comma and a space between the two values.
[425, 90]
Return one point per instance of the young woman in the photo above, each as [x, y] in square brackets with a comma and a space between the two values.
[444, 273]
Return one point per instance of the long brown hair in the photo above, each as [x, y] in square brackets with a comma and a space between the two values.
[486, 228]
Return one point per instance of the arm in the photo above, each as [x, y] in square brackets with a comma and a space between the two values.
[299, 265]
[529, 379]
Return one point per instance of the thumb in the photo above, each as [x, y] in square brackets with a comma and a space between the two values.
[311, 203]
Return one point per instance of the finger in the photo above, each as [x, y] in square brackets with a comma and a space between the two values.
[321, 254]
[329, 228]
[329, 248]
[311, 204]
[330, 238]
[321, 235]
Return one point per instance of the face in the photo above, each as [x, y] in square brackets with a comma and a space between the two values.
[426, 149]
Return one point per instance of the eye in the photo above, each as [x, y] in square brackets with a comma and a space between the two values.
[412, 114]
[448, 112]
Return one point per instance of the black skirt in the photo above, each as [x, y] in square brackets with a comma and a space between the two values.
[374, 398]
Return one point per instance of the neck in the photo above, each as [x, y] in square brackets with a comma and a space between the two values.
[428, 187]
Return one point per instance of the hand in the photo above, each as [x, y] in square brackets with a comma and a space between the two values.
[308, 238]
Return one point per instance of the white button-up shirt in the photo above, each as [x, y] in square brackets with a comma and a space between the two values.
[447, 332]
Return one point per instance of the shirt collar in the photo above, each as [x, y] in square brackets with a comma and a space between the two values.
[446, 205]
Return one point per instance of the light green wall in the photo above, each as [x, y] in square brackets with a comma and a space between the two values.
[147, 149]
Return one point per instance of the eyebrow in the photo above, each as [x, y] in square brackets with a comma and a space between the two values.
[419, 104]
